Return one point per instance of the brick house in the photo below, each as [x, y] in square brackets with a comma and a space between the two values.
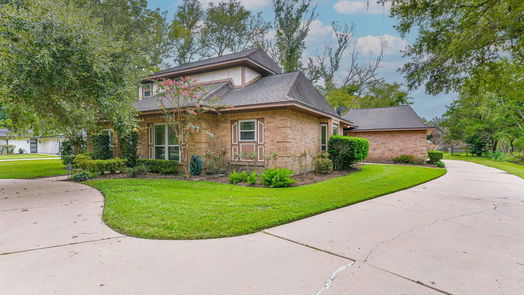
[270, 111]
[391, 132]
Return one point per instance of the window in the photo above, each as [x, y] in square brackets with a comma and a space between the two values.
[323, 137]
[247, 130]
[165, 143]
[335, 129]
[147, 90]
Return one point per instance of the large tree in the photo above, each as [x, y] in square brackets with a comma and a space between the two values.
[184, 32]
[457, 38]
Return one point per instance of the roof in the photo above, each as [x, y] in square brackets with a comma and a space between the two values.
[401, 117]
[256, 55]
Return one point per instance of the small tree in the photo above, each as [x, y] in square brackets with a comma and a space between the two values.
[183, 103]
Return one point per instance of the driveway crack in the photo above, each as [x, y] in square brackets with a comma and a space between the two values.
[329, 282]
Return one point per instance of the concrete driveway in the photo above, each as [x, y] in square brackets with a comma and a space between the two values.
[459, 234]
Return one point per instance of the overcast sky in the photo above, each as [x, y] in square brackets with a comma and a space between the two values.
[371, 24]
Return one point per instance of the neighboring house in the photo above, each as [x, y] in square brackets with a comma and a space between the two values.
[391, 131]
[268, 111]
[31, 144]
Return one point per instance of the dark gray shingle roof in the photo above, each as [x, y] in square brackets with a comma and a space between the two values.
[401, 117]
[256, 55]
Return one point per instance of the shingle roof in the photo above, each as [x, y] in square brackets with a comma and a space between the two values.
[401, 117]
[256, 55]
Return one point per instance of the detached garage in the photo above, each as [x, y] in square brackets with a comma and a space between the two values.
[391, 132]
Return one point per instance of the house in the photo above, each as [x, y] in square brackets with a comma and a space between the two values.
[31, 144]
[391, 132]
[268, 111]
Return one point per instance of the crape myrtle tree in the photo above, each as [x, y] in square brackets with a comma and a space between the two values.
[183, 103]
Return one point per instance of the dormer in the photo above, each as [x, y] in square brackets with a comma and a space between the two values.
[240, 68]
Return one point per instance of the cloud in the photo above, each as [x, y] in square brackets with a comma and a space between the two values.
[318, 30]
[248, 4]
[371, 44]
[360, 7]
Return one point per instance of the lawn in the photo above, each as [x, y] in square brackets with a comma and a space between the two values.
[174, 209]
[25, 156]
[31, 169]
[508, 167]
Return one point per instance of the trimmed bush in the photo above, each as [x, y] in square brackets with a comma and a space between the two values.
[277, 177]
[80, 160]
[68, 159]
[128, 147]
[252, 178]
[435, 156]
[323, 163]
[237, 177]
[346, 151]
[440, 164]
[159, 166]
[102, 146]
[405, 159]
[83, 176]
[138, 170]
[103, 166]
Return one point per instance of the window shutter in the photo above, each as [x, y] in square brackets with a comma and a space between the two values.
[234, 140]
[260, 139]
[151, 139]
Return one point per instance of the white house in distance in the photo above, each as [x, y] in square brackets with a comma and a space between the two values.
[31, 144]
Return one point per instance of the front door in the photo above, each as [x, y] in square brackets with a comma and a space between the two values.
[33, 145]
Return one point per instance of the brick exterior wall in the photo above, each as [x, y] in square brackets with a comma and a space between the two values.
[287, 132]
[385, 145]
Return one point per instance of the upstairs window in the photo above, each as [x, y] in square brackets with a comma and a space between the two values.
[247, 130]
[147, 90]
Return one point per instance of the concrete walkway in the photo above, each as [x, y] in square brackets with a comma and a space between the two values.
[459, 234]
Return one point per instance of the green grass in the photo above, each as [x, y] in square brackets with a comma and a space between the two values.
[174, 209]
[508, 167]
[31, 169]
[25, 156]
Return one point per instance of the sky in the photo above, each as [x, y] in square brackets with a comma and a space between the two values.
[371, 25]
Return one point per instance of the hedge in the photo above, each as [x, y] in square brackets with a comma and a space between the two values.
[102, 146]
[435, 156]
[103, 166]
[159, 166]
[128, 147]
[346, 151]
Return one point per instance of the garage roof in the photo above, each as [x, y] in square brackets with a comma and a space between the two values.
[390, 118]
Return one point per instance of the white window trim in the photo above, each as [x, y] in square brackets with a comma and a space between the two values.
[327, 133]
[335, 125]
[240, 130]
[144, 92]
[166, 145]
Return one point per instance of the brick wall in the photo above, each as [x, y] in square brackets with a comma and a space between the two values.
[385, 145]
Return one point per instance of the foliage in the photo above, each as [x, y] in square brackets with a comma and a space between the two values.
[277, 177]
[31, 169]
[68, 159]
[102, 146]
[405, 159]
[83, 176]
[252, 178]
[302, 161]
[66, 148]
[346, 151]
[7, 149]
[79, 161]
[382, 94]
[440, 164]
[150, 209]
[20, 150]
[160, 166]
[323, 164]
[457, 38]
[103, 166]
[270, 159]
[128, 147]
[237, 177]
[185, 102]
[61, 69]
[215, 161]
[195, 165]
[184, 32]
[435, 156]
[138, 170]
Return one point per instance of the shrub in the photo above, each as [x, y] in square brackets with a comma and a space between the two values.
[345, 151]
[159, 166]
[68, 159]
[80, 160]
[103, 166]
[237, 177]
[252, 178]
[7, 149]
[435, 156]
[277, 177]
[440, 164]
[138, 170]
[128, 147]
[102, 146]
[83, 176]
[406, 159]
[323, 163]
[20, 150]
[66, 148]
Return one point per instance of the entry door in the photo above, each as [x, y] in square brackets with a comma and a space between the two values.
[33, 145]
